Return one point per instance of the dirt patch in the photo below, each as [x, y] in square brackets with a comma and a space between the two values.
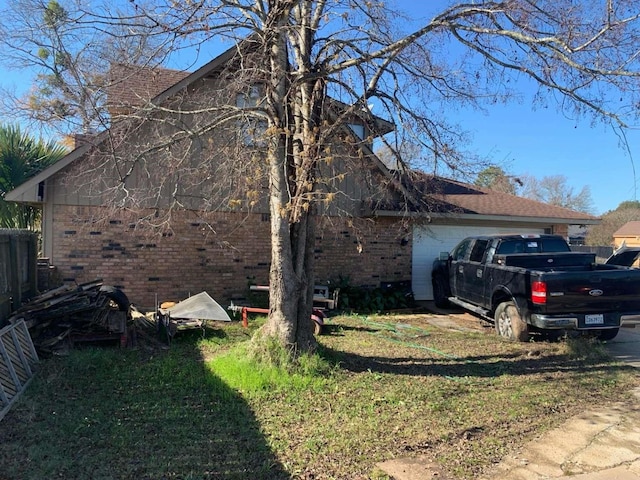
[419, 468]
[447, 319]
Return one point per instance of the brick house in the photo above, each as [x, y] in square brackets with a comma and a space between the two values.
[223, 250]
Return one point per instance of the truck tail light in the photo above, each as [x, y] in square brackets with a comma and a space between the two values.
[539, 293]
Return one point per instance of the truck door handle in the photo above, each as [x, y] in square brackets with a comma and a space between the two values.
[479, 273]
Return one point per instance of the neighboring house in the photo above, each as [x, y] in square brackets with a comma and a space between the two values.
[222, 250]
[629, 234]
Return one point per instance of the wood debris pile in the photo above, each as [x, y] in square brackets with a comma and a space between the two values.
[65, 315]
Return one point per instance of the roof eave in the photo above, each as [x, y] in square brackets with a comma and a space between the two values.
[484, 217]
[23, 192]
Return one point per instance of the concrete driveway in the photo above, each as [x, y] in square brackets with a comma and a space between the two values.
[626, 346]
[602, 444]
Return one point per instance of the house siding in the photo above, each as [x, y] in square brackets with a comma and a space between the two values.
[221, 253]
[628, 240]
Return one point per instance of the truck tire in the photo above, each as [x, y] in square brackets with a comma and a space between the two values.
[509, 323]
[439, 292]
[608, 334]
[117, 296]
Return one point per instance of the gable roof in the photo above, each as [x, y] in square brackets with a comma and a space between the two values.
[26, 192]
[441, 197]
[132, 92]
[435, 196]
[629, 229]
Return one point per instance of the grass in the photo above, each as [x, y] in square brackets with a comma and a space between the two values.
[380, 387]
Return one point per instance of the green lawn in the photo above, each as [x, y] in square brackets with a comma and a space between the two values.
[381, 387]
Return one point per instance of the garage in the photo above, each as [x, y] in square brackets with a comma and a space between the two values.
[429, 242]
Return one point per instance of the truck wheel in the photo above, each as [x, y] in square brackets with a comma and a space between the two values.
[608, 334]
[509, 324]
[117, 296]
[439, 295]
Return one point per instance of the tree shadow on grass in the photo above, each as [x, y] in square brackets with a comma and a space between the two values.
[479, 366]
[133, 415]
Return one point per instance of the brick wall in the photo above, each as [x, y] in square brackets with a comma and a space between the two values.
[561, 230]
[221, 253]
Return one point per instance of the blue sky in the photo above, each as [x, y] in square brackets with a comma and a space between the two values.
[528, 141]
[543, 142]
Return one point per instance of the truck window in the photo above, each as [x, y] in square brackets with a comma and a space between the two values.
[555, 245]
[533, 245]
[510, 246]
[477, 252]
[461, 250]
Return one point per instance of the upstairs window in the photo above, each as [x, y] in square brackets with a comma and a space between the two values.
[253, 126]
[358, 129]
[252, 98]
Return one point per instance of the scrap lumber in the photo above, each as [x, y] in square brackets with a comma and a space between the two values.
[86, 312]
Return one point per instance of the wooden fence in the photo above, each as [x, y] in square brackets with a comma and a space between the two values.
[18, 269]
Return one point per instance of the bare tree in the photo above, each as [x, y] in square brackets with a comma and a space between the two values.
[304, 72]
[555, 190]
[71, 55]
[602, 234]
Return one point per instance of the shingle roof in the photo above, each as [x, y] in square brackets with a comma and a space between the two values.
[442, 195]
[130, 87]
[629, 229]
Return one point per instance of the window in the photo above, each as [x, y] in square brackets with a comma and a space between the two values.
[555, 245]
[539, 245]
[252, 98]
[358, 130]
[253, 126]
[508, 247]
[477, 252]
[252, 132]
[461, 250]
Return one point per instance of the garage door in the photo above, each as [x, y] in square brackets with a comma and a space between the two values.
[427, 245]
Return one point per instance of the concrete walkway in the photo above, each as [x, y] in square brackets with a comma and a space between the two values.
[602, 444]
[596, 445]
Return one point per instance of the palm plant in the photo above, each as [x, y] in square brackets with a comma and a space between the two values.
[22, 157]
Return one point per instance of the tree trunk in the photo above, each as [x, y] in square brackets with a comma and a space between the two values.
[291, 282]
[292, 236]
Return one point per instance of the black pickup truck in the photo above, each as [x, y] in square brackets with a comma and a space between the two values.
[535, 283]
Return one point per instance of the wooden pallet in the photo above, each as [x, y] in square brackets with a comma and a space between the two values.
[18, 358]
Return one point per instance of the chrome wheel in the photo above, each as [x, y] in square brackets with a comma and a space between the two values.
[509, 323]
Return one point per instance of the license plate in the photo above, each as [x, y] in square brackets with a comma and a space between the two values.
[595, 319]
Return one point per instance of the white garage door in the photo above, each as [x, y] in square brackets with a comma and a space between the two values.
[427, 245]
